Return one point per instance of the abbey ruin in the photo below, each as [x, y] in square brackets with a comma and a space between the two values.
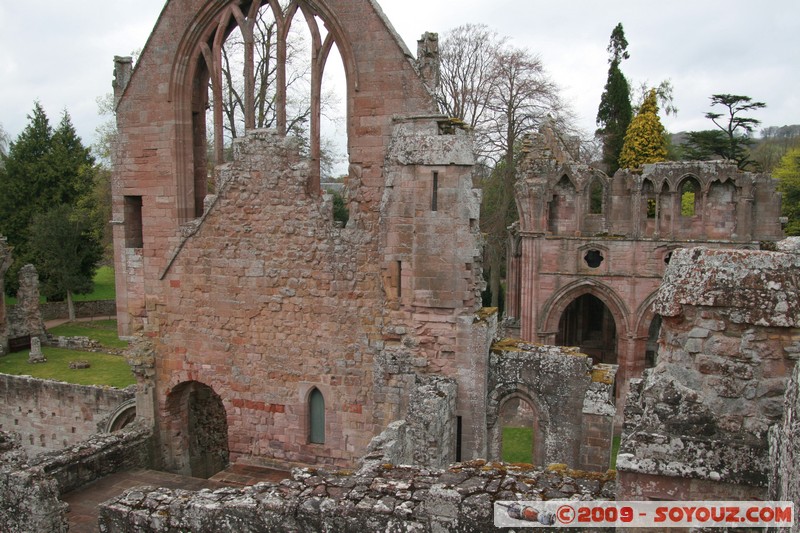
[266, 333]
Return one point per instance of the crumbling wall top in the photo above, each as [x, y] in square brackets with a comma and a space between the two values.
[750, 287]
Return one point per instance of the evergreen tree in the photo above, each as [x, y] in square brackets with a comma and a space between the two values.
[26, 170]
[732, 140]
[788, 174]
[645, 141]
[44, 169]
[615, 112]
[65, 250]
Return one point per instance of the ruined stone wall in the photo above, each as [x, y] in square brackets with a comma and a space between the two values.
[565, 392]
[728, 344]
[387, 498]
[784, 448]
[633, 221]
[28, 495]
[25, 318]
[50, 415]
[30, 487]
[259, 295]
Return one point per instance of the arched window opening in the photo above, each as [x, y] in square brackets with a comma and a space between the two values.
[266, 63]
[649, 197]
[561, 209]
[316, 417]
[519, 427]
[588, 323]
[596, 193]
[689, 192]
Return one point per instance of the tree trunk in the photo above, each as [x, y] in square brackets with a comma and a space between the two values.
[70, 306]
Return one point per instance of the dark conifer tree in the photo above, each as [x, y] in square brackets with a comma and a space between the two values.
[615, 111]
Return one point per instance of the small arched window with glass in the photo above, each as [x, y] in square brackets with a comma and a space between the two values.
[316, 417]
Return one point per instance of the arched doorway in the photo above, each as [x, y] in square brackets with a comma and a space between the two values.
[519, 427]
[588, 323]
[196, 430]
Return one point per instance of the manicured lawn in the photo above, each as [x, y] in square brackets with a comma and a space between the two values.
[110, 370]
[103, 331]
[517, 445]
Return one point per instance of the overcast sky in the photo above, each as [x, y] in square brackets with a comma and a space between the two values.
[61, 52]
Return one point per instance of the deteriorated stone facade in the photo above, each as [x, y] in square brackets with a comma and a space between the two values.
[588, 254]
[696, 426]
[254, 292]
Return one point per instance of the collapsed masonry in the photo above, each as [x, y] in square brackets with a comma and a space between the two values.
[697, 425]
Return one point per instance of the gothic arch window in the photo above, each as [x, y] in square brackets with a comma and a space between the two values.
[596, 197]
[316, 417]
[649, 199]
[689, 191]
[259, 64]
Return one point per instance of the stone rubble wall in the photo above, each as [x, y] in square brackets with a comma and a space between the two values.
[51, 415]
[784, 458]
[98, 456]
[381, 498]
[729, 341]
[30, 488]
[28, 495]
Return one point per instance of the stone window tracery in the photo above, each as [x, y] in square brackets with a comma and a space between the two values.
[259, 64]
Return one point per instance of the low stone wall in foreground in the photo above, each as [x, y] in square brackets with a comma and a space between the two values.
[381, 498]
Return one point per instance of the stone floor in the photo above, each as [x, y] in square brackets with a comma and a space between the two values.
[82, 514]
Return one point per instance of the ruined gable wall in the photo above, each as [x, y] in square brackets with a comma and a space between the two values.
[267, 300]
[152, 148]
[728, 345]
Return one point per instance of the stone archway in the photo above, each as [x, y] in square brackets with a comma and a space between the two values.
[588, 323]
[509, 397]
[519, 423]
[196, 432]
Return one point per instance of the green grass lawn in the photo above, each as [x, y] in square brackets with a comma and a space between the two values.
[110, 370]
[614, 452]
[104, 288]
[103, 331]
[517, 445]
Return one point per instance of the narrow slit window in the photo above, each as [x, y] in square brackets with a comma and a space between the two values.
[399, 279]
[316, 416]
[133, 222]
[435, 192]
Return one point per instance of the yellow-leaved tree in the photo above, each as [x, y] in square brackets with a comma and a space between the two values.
[644, 140]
